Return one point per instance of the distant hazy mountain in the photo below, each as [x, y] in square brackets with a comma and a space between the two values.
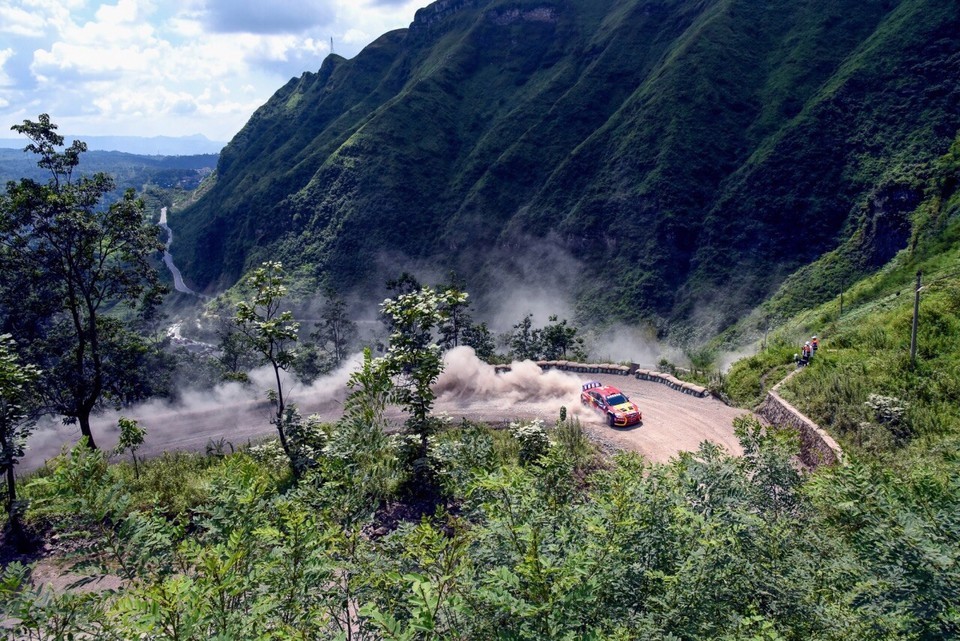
[194, 145]
[128, 170]
[689, 155]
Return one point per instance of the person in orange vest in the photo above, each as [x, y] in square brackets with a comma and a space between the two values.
[815, 343]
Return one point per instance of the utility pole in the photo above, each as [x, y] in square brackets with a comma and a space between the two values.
[916, 318]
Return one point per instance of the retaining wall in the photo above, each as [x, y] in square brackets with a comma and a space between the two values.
[817, 447]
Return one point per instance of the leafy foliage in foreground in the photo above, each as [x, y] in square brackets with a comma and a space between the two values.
[708, 546]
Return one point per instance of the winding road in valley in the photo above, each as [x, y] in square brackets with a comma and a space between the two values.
[178, 283]
[672, 421]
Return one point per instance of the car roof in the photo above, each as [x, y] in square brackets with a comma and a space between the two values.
[608, 390]
[605, 390]
[600, 388]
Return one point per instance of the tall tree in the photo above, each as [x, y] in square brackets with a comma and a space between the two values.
[413, 359]
[17, 400]
[456, 314]
[480, 338]
[456, 319]
[526, 341]
[67, 260]
[271, 334]
[405, 283]
[560, 340]
[335, 332]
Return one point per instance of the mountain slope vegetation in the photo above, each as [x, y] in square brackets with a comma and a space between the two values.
[692, 153]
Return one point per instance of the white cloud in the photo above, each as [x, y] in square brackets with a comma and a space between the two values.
[257, 16]
[35, 18]
[178, 67]
[18, 21]
[353, 36]
[125, 12]
[5, 55]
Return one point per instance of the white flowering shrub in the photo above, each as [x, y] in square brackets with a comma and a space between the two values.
[532, 438]
[269, 452]
[306, 438]
[888, 410]
[454, 461]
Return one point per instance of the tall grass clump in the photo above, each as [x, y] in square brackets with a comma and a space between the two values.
[571, 438]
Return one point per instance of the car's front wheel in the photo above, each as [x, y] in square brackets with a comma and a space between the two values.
[610, 420]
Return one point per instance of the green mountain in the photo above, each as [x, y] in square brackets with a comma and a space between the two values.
[690, 154]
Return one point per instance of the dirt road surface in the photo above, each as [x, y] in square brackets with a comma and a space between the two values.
[672, 421]
[468, 389]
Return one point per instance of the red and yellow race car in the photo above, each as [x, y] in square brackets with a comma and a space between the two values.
[618, 410]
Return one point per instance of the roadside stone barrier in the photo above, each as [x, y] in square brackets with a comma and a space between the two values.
[633, 369]
[672, 381]
[817, 447]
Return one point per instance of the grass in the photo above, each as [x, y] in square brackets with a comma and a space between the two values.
[864, 367]
[867, 352]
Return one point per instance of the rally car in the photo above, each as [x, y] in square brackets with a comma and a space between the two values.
[617, 409]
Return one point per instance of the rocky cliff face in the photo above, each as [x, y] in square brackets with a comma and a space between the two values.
[437, 11]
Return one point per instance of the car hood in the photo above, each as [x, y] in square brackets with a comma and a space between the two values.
[625, 408]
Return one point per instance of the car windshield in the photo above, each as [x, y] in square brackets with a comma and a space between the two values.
[616, 399]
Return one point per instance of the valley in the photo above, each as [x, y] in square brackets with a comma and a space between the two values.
[178, 284]
[335, 424]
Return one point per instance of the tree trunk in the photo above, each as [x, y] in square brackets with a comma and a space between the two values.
[11, 490]
[281, 406]
[17, 536]
[84, 419]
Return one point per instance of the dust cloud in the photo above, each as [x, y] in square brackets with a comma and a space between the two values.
[469, 383]
[621, 343]
[223, 411]
[237, 412]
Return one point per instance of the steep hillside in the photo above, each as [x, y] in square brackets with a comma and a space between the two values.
[691, 153]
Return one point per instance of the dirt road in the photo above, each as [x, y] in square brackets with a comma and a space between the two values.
[672, 421]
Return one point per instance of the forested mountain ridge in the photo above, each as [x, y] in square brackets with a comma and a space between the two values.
[693, 153]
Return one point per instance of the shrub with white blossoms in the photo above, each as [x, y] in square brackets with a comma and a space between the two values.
[532, 437]
[406, 445]
[890, 414]
[454, 461]
[305, 437]
[887, 409]
[269, 452]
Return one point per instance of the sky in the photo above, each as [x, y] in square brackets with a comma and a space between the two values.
[170, 67]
